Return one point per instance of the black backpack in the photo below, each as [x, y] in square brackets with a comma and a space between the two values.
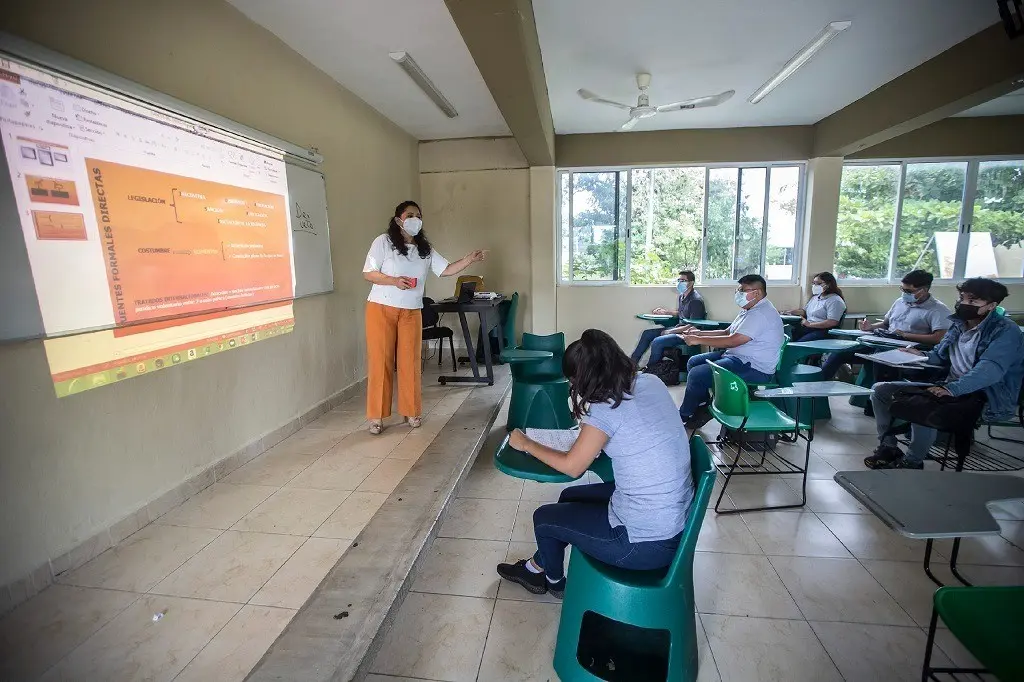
[667, 369]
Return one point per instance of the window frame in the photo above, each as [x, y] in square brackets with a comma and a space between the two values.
[968, 197]
[625, 281]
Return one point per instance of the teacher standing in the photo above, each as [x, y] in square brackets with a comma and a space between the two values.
[397, 265]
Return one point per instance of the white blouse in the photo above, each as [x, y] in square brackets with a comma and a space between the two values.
[383, 257]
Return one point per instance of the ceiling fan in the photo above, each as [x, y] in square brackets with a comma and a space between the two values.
[643, 108]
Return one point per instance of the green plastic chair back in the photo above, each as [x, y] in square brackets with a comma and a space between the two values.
[730, 395]
[508, 330]
[545, 370]
[660, 601]
[988, 622]
[1000, 311]
[782, 351]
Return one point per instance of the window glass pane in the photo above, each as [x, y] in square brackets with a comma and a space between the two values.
[930, 218]
[748, 247]
[621, 223]
[867, 213]
[783, 195]
[997, 227]
[595, 247]
[721, 227]
[667, 206]
[566, 225]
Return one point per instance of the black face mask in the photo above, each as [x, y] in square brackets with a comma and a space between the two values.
[966, 311]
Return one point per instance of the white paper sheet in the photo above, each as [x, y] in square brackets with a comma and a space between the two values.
[556, 439]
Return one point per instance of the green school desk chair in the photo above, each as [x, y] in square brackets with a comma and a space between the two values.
[510, 461]
[732, 408]
[988, 621]
[540, 393]
[618, 624]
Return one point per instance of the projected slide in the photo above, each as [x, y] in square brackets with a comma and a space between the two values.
[79, 363]
[176, 246]
[165, 240]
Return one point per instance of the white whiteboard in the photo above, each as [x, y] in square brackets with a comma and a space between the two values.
[311, 239]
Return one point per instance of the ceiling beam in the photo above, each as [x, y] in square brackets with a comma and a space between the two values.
[985, 66]
[502, 37]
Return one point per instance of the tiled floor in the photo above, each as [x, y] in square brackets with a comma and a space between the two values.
[202, 593]
[826, 593]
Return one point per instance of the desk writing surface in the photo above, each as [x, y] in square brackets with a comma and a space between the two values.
[932, 504]
[473, 306]
[848, 333]
[824, 345]
[814, 389]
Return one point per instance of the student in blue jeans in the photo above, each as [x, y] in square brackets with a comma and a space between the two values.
[635, 522]
[749, 348]
[982, 351]
[689, 307]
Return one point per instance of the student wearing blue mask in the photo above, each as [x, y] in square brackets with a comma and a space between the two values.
[690, 307]
[749, 348]
[915, 316]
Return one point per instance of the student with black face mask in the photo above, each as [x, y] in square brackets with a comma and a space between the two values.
[983, 351]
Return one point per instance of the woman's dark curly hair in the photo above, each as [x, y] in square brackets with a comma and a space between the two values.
[598, 371]
[398, 240]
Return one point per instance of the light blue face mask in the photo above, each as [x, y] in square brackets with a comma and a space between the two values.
[908, 298]
[741, 299]
[682, 287]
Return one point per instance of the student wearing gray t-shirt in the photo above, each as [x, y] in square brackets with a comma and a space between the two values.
[635, 522]
[915, 316]
[823, 311]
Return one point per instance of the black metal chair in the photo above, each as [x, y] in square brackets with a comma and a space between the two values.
[432, 331]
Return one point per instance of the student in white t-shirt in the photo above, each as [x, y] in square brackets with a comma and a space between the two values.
[823, 311]
[397, 266]
[749, 348]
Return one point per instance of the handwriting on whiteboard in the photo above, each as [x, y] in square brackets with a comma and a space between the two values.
[303, 223]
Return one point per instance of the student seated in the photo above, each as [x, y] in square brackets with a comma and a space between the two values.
[635, 522]
[823, 311]
[690, 307]
[915, 316]
[749, 347]
[982, 350]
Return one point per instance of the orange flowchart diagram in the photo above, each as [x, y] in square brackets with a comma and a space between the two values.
[176, 246]
[59, 226]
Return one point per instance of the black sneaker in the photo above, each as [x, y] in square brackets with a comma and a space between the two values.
[701, 417]
[901, 463]
[535, 583]
[883, 456]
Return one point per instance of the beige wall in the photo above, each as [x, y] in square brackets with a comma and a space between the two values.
[976, 136]
[74, 466]
[476, 195]
[614, 308]
[719, 145]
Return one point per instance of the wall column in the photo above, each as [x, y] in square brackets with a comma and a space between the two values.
[542, 249]
[824, 175]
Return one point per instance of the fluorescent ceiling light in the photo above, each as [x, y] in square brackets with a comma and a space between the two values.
[409, 65]
[800, 58]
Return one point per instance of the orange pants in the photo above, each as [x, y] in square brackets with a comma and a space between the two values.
[392, 332]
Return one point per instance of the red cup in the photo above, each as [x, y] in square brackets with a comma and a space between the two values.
[413, 280]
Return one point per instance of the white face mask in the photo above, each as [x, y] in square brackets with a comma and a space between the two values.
[412, 226]
[741, 299]
[817, 289]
